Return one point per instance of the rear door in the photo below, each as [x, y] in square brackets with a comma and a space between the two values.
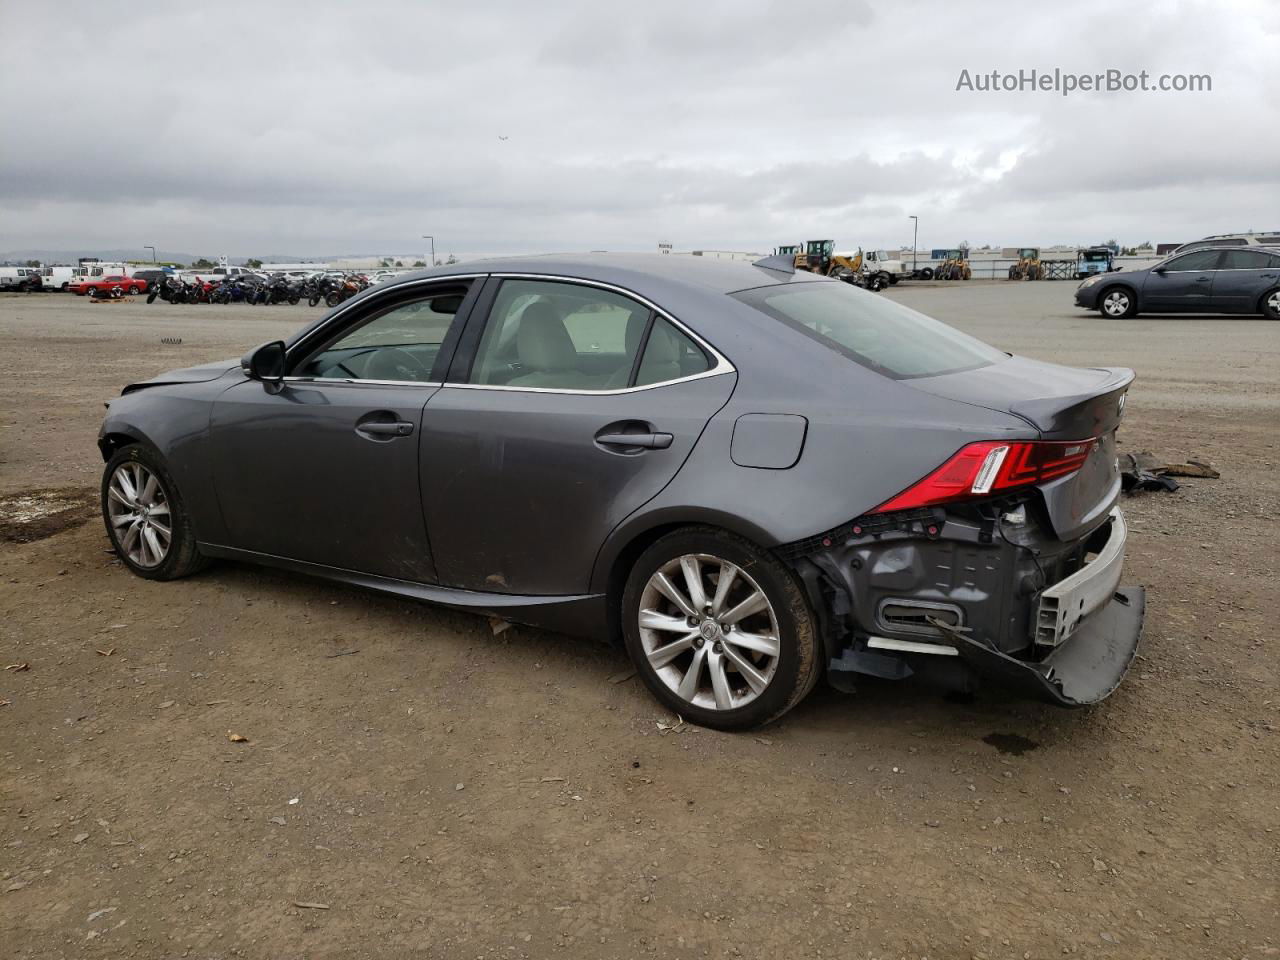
[1183, 284]
[1242, 278]
[570, 405]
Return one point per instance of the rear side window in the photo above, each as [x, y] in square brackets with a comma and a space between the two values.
[887, 337]
[557, 335]
[1246, 260]
[669, 354]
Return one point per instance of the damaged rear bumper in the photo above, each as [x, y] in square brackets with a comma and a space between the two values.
[1084, 669]
[997, 598]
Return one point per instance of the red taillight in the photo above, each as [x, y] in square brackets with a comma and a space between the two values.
[990, 466]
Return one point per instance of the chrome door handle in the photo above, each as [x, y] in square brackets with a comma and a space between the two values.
[1203, 279]
[649, 441]
[400, 428]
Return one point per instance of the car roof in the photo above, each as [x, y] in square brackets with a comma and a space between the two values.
[646, 273]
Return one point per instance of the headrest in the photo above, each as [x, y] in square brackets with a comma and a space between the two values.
[542, 341]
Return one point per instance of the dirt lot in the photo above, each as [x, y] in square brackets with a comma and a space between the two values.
[448, 793]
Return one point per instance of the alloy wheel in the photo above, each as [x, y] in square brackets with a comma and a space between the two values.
[1273, 303]
[138, 510]
[1116, 303]
[709, 632]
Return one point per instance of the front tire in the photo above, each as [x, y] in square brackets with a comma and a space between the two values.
[147, 521]
[719, 631]
[1117, 303]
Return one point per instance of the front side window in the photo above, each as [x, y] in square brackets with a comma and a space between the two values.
[1200, 260]
[554, 335]
[399, 343]
[887, 337]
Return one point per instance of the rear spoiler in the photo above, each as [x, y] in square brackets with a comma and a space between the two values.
[1091, 414]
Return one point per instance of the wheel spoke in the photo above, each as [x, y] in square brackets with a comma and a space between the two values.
[692, 568]
[719, 682]
[653, 620]
[754, 679]
[728, 574]
[755, 642]
[161, 529]
[118, 495]
[688, 688]
[130, 538]
[753, 604]
[664, 655]
[120, 519]
[148, 493]
[672, 593]
[153, 543]
[127, 488]
[160, 509]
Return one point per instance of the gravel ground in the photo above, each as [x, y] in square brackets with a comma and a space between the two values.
[412, 785]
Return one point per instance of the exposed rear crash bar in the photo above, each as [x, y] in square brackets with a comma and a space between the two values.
[1083, 670]
[1065, 605]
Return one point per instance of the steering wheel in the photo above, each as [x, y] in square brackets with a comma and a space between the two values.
[392, 363]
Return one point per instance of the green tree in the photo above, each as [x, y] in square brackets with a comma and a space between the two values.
[203, 263]
[419, 263]
[253, 264]
[452, 259]
[399, 263]
[32, 263]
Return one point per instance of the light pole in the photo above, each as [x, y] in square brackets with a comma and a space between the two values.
[915, 236]
[433, 248]
[147, 246]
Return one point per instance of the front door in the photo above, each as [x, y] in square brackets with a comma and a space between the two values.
[324, 467]
[1185, 284]
[579, 405]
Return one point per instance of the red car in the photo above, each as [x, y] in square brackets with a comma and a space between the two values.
[83, 285]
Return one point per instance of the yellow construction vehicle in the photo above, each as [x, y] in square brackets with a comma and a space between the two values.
[819, 256]
[1028, 266]
[954, 266]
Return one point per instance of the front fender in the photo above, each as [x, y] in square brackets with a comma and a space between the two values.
[173, 421]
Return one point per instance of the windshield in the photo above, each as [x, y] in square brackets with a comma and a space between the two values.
[887, 337]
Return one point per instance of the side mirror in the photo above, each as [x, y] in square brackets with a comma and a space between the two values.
[265, 363]
[1160, 270]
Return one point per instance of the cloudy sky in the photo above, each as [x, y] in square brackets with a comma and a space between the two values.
[316, 128]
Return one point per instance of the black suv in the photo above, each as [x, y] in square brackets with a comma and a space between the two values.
[1244, 279]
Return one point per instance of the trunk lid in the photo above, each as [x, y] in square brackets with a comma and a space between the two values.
[1061, 403]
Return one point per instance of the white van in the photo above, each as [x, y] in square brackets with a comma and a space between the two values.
[56, 278]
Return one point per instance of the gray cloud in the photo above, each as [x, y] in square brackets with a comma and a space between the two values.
[315, 127]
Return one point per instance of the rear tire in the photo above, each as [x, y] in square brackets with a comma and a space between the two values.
[1271, 304]
[181, 558]
[1117, 303]
[747, 670]
[134, 291]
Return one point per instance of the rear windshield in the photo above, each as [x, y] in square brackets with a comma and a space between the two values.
[869, 329]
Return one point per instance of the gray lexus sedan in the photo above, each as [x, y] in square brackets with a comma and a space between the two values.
[749, 477]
